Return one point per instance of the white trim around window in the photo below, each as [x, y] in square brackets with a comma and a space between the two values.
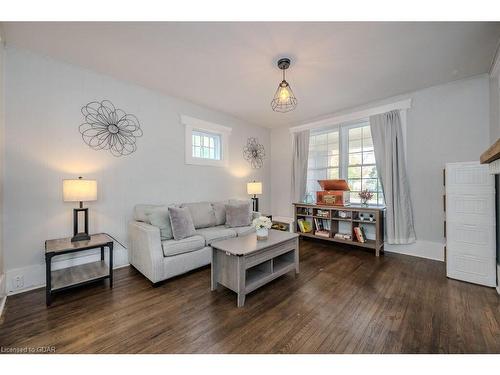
[196, 125]
[353, 116]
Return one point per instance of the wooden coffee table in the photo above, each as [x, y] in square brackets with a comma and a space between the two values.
[244, 264]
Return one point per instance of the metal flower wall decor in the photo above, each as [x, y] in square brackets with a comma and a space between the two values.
[109, 128]
[254, 153]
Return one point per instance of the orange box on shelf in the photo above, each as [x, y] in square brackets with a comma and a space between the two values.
[334, 193]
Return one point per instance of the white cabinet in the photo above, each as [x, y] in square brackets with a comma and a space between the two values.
[470, 223]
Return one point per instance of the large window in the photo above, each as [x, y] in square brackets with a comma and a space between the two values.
[345, 152]
[323, 161]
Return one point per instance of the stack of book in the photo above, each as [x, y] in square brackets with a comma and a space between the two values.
[323, 213]
[359, 232]
[342, 236]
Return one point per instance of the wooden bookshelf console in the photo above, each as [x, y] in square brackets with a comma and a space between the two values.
[343, 219]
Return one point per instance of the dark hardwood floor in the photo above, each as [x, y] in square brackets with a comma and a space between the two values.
[344, 301]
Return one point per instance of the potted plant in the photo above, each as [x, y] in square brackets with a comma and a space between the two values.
[262, 224]
[365, 196]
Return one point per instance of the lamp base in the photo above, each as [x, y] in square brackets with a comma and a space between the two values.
[80, 237]
[255, 204]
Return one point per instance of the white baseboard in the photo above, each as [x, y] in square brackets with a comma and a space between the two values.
[422, 249]
[34, 276]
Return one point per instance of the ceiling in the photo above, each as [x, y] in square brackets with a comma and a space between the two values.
[231, 67]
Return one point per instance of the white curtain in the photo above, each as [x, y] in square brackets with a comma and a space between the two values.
[387, 134]
[299, 165]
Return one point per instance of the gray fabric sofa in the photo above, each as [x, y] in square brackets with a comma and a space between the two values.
[160, 258]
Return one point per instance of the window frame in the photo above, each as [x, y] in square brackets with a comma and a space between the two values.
[343, 130]
[193, 125]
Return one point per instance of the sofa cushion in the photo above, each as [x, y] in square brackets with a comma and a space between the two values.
[202, 213]
[182, 223]
[238, 215]
[218, 233]
[159, 217]
[186, 245]
[243, 231]
[220, 212]
[141, 211]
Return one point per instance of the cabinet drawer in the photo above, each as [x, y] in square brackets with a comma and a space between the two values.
[268, 253]
[470, 239]
[475, 270]
[471, 208]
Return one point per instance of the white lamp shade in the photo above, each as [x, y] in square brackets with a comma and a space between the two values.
[79, 190]
[254, 188]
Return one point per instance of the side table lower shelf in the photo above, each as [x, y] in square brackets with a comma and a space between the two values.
[79, 275]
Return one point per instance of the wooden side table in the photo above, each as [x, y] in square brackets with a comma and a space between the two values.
[82, 274]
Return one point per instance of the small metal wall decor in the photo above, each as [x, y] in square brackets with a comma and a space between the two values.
[254, 153]
[109, 128]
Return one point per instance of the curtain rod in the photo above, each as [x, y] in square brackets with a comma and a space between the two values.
[353, 116]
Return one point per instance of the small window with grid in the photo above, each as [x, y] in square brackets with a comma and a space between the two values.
[206, 145]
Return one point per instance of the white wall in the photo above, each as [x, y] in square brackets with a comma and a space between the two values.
[2, 268]
[43, 146]
[447, 123]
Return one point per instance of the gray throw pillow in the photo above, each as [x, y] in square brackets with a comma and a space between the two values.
[182, 223]
[220, 212]
[202, 213]
[159, 217]
[238, 215]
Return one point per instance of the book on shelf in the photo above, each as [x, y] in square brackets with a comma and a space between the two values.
[322, 233]
[360, 234]
[363, 234]
[304, 226]
[323, 213]
[342, 236]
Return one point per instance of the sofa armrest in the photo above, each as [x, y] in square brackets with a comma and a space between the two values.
[145, 252]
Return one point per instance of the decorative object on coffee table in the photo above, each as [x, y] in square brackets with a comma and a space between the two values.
[82, 274]
[254, 153]
[244, 264]
[255, 188]
[262, 225]
[109, 128]
[80, 190]
[365, 196]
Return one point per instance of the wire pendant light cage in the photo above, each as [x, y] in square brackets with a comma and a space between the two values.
[284, 100]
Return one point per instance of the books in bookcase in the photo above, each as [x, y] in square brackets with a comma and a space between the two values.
[360, 235]
[322, 233]
[342, 236]
[304, 226]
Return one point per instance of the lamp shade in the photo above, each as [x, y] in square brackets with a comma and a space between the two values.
[254, 188]
[79, 190]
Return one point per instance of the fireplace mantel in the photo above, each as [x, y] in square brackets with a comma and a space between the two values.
[492, 157]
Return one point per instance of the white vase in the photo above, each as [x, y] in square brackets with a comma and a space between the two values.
[262, 234]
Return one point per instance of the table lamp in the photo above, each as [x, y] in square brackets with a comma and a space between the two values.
[255, 188]
[80, 190]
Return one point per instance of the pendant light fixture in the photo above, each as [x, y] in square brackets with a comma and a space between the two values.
[284, 100]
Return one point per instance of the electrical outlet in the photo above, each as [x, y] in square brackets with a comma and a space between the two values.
[19, 282]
